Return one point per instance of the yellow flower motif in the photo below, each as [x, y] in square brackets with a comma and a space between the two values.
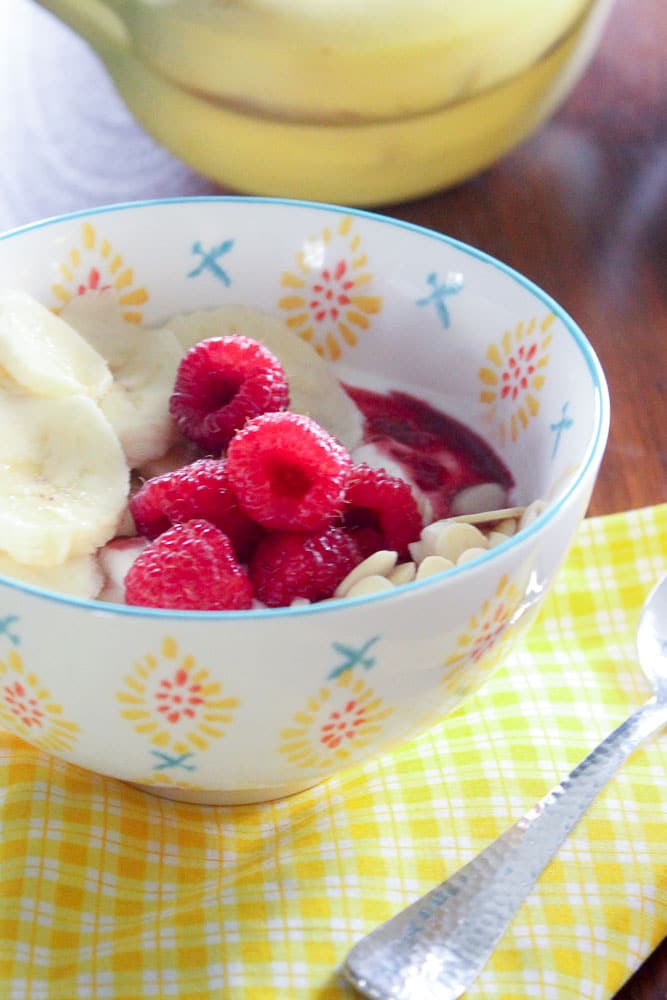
[94, 266]
[485, 632]
[326, 304]
[339, 721]
[515, 375]
[27, 709]
[173, 702]
[161, 779]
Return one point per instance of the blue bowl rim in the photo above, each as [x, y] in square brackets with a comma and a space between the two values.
[598, 442]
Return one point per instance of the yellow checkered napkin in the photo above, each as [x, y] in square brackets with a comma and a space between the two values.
[106, 892]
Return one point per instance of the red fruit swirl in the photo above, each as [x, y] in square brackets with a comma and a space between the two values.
[440, 454]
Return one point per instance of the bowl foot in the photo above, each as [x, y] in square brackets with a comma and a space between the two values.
[233, 797]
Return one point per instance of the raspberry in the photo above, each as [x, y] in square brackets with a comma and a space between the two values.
[287, 472]
[368, 539]
[191, 567]
[295, 564]
[381, 509]
[221, 383]
[198, 490]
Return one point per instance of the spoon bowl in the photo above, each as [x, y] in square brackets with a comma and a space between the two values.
[652, 640]
[437, 946]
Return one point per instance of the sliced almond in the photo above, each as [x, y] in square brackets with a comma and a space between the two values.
[488, 516]
[380, 563]
[432, 565]
[374, 584]
[403, 573]
[508, 527]
[496, 538]
[532, 512]
[472, 553]
[453, 538]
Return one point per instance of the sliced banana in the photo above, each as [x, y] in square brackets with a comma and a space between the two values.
[143, 363]
[41, 354]
[115, 559]
[80, 576]
[63, 478]
[314, 389]
[182, 452]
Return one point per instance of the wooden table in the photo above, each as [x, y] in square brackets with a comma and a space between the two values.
[581, 208]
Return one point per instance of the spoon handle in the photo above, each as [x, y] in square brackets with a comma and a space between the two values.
[437, 946]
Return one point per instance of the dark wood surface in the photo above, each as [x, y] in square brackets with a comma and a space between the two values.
[581, 208]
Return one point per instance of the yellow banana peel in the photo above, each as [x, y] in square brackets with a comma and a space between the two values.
[358, 103]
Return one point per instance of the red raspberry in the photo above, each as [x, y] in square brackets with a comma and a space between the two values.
[368, 539]
[287, 472]
[221, 383]
[381, 509]
[198, 490]
[191, 567]
[293, 564]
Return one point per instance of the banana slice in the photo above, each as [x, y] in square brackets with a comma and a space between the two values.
[143, 364]
[80, 576]
[63, 478]
[314, 389]
[115, 559]
[42, 355]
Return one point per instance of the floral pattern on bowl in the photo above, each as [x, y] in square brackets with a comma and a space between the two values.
[234, 707]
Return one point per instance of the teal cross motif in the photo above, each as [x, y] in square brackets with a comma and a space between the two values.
[168, 760]
[561, 425]
[353, 657]
[5, 628]
[440, 292]
[209, 261]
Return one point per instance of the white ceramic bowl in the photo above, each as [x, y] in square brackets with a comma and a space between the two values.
[80, 679]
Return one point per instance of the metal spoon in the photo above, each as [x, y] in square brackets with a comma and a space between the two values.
[436, 948]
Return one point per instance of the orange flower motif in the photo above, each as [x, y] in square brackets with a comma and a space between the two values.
[178, 697]
[175, 703]
[28, 710]
[94, 266]
[336, 724]
[515, 376]
[342, 724]
[487, 629]
[327, 305]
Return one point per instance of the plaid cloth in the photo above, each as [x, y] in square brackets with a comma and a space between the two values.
[107, 892]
